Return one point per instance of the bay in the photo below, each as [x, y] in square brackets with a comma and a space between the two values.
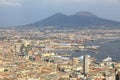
[108, 47]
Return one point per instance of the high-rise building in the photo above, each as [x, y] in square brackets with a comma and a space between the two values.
[86, 63]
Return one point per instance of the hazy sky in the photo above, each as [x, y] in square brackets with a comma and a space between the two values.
[19, 12]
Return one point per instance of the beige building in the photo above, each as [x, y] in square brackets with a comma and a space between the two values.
[75, 61]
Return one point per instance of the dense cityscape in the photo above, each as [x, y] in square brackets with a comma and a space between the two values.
[48, 54]
[59, 39]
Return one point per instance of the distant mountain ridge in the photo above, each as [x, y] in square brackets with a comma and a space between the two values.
[78, 20]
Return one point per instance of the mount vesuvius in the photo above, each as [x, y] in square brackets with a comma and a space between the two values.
[78, 20]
